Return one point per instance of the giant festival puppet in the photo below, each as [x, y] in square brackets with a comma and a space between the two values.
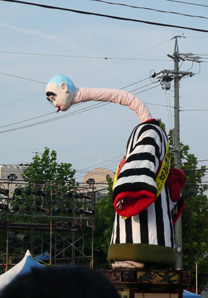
[146, 192]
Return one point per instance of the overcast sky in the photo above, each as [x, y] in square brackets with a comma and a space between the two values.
[98, 52]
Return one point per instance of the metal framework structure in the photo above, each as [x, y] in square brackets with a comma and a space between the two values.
[56, 226]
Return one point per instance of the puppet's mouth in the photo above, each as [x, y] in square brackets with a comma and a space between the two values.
[59, 108]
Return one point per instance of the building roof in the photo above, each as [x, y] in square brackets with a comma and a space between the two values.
[99, 175]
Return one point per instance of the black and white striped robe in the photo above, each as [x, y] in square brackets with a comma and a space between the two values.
[148, 236]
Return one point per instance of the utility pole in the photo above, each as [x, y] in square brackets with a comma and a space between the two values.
[166, 76]
[176, 105]
[176, 138]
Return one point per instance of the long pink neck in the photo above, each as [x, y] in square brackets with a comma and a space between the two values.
[116, 96]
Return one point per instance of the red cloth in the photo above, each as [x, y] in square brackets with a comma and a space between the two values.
[122, 162]
[133, 202]
[176, 181]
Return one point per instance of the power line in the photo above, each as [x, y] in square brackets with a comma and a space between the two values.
[55, 55]
[43, 93]
[107, 16]
[17, 101]
[108, 162]
[112, 65]
[134, 83]
[159, 105]
[82, 57]
[150, 9]
[189, 3]
[18, 77]
[124, 60]
[202, 55]
[142, 87]
[114, 162]
[202, 160]
[26, 120]
[65, 115]
[194, 110]
[55, 119]
[147, 89]
[95, 106]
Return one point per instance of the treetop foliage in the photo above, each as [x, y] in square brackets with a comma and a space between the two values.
[45, 169]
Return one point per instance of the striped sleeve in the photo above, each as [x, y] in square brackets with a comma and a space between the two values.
[136, 188]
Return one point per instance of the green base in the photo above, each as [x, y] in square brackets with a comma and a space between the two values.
[143, 253]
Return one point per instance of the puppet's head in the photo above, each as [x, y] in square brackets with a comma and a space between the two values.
[60, 91]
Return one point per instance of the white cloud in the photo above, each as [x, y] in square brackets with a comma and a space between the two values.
[34, 32]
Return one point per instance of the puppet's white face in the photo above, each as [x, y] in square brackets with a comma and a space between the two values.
[61, 97]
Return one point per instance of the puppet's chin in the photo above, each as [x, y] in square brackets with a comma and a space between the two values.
[67, 102]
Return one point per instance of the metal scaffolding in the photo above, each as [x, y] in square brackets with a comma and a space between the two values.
[57, 227]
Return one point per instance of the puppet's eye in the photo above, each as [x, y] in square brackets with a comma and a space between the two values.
[49, 100]
[51, 97]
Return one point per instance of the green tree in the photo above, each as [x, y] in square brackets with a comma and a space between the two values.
[104, 217]
[195, 220]
[194, 217]
[45, 169]
[45, 180]
[47, 192]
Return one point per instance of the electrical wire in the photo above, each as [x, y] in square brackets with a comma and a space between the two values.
[125, 59]
[18, 77]
[82, 57]
[23, 121]
[97, 105]
[134, 83]
[63, 116]
[44, 83]
[106, 162]
[142, 87]
[106, 165]
[147, 89]
[57, 118]
[107, 16]
[17, 101]
[194, 110]
[159, 105]
[188, 3]
[92, 107]
[151, 9]
[112, 65]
